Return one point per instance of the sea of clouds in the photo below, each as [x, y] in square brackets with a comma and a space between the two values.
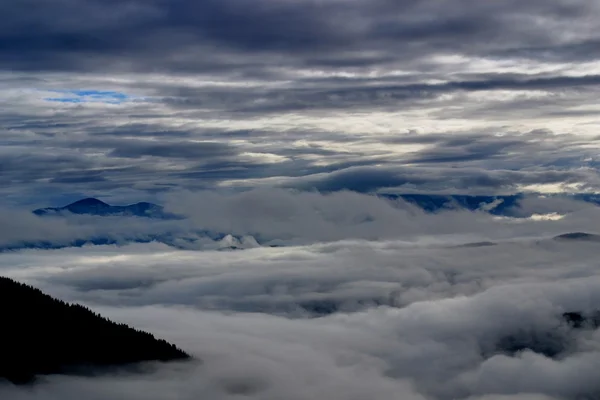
[278, 217]
[359, 299]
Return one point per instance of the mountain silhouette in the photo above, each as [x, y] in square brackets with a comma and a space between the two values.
[578, 236]
[500, 205]
[41, 335]
[92, 206]
[506, 205]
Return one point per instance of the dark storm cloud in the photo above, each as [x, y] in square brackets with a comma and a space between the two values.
[530, 149]
[361, 179]
[212, 172]
[186, 150]
[80, 177]
[228, 91]
[361, 95]
[478, 161]
[27, 168]
[141, 131]
[91, 34]
[482, 161]
[475, 180]
[205, 175]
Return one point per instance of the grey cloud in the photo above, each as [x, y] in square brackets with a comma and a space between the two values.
[295, 30]
[287, 216]
[360, 179]
[436, 338]
[281, 217]
[354, 94]
[531, 149]
[141, 131]
[285, 72]
[79, 177]
[28, 168]
[205, 158]
[371, 179]
[185, 150]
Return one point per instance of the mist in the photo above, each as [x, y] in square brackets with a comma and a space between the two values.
[422, 316]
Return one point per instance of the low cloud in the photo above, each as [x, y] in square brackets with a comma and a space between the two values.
[281, 217]
[345, 320]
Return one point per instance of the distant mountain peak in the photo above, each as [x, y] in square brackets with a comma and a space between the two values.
[89, 201]
[93, 206]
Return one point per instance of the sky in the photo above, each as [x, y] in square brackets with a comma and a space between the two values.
[128, 100]
[267, 126]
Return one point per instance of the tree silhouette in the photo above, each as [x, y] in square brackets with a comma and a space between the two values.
[42, 335]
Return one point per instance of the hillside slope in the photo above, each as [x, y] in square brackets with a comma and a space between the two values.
[42, 335]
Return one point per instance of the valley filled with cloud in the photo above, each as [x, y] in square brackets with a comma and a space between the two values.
[406, 304]
[341, 199]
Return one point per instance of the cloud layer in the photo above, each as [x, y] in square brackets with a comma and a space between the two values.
[266, 123]
[364, 297]
[131, 99]
[349, 319]
[281, 217]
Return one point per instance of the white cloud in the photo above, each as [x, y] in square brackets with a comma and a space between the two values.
[415, 320]
[267, 217]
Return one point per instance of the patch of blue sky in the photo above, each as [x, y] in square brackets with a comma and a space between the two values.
[64, 100]
[89, 96]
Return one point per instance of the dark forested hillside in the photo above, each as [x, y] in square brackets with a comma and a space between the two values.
[42, 335]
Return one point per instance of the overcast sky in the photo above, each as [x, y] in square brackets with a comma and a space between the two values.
[127, 100]
[269, 123]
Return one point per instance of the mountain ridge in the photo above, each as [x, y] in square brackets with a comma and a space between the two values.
[94, 206]
[499, 205]
[42, 335]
